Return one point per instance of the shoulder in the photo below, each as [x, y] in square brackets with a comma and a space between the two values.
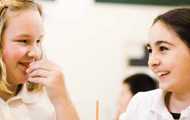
[146, 97]
[122, 116]
[5, 113]
[142, 103]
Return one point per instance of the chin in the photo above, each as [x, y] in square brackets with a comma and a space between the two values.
[22, 81]
[164, 86]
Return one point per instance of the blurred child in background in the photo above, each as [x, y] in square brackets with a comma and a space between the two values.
[130, 86]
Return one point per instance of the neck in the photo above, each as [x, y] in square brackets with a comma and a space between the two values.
[5, 96]
[178, 102]
[13, 88]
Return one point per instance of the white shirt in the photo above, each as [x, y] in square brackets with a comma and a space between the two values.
[151, 106]
[122, 116]
[27, 106]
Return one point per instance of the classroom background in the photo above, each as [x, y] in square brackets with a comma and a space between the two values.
[97, 45]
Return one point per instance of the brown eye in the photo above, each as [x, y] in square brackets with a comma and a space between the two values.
[38, 41]
[162, 48]
[149, 50]
[22, 41]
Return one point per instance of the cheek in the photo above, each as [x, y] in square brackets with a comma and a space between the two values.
[126, 97]
[182, 68]
[178, 60]
[181, 64]
[169, 61]
[13, 53]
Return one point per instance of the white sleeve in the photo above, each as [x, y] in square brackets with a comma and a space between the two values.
[122, 116]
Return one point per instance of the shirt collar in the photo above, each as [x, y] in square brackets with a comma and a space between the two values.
[158, 105]
[26, 96]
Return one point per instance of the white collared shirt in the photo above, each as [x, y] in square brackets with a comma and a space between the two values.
[151, 106]
[27, 106]
[122, 116]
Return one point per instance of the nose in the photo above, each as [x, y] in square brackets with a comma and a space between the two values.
[153, 61]
[35, 53]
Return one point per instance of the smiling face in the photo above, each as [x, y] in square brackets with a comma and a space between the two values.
[21, 43]
[169, 58]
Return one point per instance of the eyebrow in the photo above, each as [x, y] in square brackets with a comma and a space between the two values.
[26, 35]
[158, 43]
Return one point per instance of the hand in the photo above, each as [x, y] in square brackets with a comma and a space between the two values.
[50, 75]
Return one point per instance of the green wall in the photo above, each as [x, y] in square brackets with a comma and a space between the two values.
[150, 2]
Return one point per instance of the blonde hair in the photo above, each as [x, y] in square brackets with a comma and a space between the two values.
[13, 6]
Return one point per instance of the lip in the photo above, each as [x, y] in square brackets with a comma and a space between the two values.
[162, 74]
[25, 65]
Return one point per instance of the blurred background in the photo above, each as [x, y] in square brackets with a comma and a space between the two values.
[97, 44]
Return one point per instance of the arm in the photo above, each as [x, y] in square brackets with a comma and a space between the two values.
[65, 109]
[120, 109]
[51, 76]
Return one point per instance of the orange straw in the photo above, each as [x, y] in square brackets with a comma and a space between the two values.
[97, 110]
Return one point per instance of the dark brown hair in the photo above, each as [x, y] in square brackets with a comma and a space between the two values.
[140, 82]
[179, 21]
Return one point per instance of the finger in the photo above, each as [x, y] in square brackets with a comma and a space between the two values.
[39, 80]
[44, 63]
[37, 65]
[30, 70]
[39, 73]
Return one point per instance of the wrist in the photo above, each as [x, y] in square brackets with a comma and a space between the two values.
[64, 99]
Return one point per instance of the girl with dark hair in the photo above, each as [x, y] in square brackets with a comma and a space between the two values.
[169, 56]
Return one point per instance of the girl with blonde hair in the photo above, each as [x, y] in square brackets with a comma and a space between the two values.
[31, 86]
